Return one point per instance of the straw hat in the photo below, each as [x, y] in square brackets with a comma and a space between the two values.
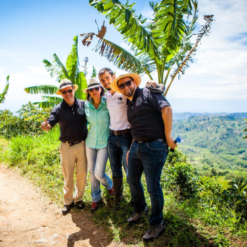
[134, 76]
[94, 82]
[65, 83]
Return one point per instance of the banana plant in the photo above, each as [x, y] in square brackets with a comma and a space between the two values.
[3, 94]
[157, 44]
[59, 71]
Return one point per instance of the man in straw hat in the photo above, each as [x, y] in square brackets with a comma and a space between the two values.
[70, 114]
[150, 116]
[120, 137]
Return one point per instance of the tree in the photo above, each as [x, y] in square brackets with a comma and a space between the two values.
[3, 94]
[57, 69]
[156, 44]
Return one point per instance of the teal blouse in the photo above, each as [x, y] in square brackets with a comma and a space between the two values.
[99, 122]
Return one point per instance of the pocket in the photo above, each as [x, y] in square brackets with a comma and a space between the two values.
[155, 145]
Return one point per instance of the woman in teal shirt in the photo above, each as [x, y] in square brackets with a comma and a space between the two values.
[98, 119]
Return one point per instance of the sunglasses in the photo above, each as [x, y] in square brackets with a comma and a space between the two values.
[91, 89]
[69, 91]
[127, 83]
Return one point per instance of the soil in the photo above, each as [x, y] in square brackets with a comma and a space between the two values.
[28, 218]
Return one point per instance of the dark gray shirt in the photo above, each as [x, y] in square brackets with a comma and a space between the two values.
[144, 115]
[71, 119]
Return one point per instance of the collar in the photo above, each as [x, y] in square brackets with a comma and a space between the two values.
[136, 94]
[64, 104]
[102, 103]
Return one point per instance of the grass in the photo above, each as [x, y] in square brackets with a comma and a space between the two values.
[197, 222]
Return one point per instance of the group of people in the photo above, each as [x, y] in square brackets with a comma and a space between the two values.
[130, 125]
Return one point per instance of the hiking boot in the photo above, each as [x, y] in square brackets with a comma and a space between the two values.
[95, 205]
[111, 192]
[137, 216]
[153, 232]
[67, 208]
[118, 191]
[80, 204]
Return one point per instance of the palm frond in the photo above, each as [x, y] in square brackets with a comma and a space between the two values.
[122, 58]
[72, 62]
[61, 68]
[44, 89]
[48, 101]
[81, 82]
[53, 70]
[3, 94]
[131, 26]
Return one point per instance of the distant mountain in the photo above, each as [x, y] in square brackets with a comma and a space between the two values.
[185, 115]
[214, 141]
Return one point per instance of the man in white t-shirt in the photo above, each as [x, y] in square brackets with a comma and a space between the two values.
[120, 137]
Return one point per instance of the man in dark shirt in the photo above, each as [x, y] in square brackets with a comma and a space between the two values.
[150, 116]
[70, 115]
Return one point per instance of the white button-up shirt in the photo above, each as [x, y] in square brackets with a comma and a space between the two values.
[117, 106]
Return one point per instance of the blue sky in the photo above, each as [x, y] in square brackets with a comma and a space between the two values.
[33, 30]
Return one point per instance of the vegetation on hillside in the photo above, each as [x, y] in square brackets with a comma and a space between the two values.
[214, 144]
[56, 69]
[157, 44]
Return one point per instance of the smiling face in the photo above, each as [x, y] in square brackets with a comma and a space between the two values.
[68, 95]
[129, 87]
[106, 79]
[95, 94]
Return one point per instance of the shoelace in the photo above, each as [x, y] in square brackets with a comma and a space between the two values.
[150, 229]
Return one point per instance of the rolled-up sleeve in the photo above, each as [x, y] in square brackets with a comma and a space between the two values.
[158, 101]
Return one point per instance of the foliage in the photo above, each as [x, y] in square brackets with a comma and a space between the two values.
[3, 94]
[156, 44]
[180, 178]
[57, 69]
[214, 144]
[245, 137]
[28, 121]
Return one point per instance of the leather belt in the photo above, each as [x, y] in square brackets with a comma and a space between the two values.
[155, 140]
[120, 132]
[72, 143]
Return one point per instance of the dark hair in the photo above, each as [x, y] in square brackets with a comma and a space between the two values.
[102, 93]
[103, 70]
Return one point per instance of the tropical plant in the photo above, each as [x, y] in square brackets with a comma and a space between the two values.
[57, 69]
[3, 94]
[156, 44]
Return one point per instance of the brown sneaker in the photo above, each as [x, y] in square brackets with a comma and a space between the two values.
[67, 208]
[153, 232]
[95, 205]
[135, 217]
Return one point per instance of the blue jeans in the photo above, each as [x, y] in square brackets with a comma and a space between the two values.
[96, 161]
[150, 158]
[118, 146]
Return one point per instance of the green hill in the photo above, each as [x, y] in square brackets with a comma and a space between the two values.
[214, 144]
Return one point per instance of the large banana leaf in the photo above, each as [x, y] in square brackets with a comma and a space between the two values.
[131, 26]
[82, 84]
[72, 61]
[49, 101]
[44, 89]
[3, 94]
[124, 59]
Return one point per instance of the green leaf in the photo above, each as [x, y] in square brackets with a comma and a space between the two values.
[82, 84]
[72, 61]
[3, 94]
[44, 89]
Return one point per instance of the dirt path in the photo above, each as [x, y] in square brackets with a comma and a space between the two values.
[29, 219]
